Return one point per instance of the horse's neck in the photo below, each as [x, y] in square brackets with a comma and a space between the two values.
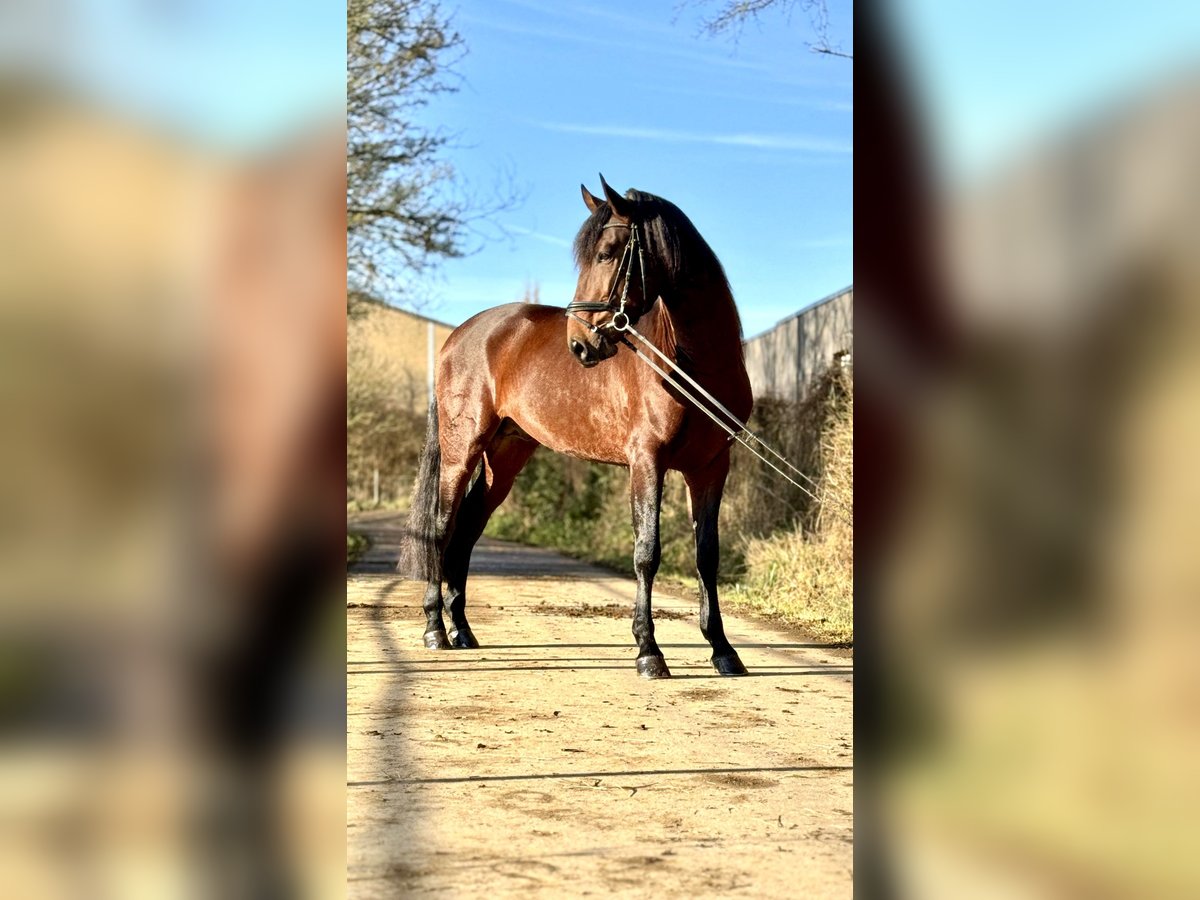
[704, 325]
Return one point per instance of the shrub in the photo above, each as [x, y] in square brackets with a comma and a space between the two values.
[383, 433]
[804, 575]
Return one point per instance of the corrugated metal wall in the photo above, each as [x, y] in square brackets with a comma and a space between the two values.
[781, 362]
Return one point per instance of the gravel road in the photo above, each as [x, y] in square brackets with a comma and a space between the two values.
[541, 765]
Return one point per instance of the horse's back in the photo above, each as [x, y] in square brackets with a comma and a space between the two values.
[496, 323]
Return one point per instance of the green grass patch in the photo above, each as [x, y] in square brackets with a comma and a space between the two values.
[356, 546]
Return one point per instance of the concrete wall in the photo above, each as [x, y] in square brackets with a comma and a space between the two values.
[399, 341]
[781, 362]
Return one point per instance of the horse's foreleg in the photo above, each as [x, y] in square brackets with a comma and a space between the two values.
[502, 461]
[704, 499]
[645, 495]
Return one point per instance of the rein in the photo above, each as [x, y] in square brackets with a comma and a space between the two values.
[734, 434]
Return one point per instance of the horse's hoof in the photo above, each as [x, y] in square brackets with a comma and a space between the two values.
[653, 667]
[728, 664]
[436, 640]
[463, 639]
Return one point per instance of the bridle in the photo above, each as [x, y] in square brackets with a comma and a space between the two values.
[620, 320]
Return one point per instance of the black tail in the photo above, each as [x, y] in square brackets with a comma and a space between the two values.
[418, 551]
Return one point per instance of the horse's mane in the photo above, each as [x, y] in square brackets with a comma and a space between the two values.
[671, 241]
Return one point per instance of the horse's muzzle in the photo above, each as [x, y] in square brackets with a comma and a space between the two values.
[591, 355]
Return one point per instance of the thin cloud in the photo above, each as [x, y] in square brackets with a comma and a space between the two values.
[768, 98]
[758, 141]
[537, 235]
[579, 14]
[625, 46]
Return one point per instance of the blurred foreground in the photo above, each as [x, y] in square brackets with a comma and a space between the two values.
[172, 332]
[1029, 407]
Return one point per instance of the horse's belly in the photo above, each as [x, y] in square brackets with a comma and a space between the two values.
[571, 433]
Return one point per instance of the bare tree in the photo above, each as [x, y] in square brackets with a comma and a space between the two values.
[733, 15]
[406, 207]
[400, 219]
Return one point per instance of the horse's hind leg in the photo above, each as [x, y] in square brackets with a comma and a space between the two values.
[503, 460]
[704, 499]
[453, 482]
[457, 558]
[461, 454]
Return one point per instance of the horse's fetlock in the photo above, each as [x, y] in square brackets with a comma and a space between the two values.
[432, 601]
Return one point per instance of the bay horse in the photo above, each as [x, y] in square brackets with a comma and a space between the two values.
[515, 377]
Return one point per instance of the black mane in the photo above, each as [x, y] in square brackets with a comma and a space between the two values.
[672, 242]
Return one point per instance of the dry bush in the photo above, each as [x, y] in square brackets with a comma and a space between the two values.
[382, 431]
[757, 501]
[805, 575]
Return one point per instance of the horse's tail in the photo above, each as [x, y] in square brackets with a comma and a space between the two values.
[418, 550]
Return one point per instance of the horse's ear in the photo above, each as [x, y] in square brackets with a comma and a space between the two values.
[622, 208]
[590, 200]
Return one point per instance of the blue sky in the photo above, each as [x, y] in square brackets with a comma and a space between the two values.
[752, 139]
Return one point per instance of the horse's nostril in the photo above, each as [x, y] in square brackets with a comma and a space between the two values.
[577, 348]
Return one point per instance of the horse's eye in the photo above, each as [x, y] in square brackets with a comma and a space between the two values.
[603, 256]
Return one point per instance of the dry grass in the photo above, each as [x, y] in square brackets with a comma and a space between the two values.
[805, 575]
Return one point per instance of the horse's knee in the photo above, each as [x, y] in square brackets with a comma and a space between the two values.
[646, 557]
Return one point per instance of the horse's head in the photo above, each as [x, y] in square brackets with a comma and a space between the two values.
[615, 276]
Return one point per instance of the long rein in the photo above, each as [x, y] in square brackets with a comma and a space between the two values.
[621, 323]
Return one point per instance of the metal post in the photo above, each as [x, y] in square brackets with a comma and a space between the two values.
[376, 487]
[429, 363]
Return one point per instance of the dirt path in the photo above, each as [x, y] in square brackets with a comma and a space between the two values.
[541, 765]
